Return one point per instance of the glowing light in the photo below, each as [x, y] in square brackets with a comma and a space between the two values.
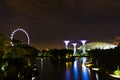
[68, 74]
[83, 46]
[97, 77]
[114, 76]
[76, 76]
[85, 73]
[88, 65]
[83, 41]
[95, 69]
[41, 65]
[67, 56]
[19, 75]
[4, 66]
[34, 78]
[84, 60]
[117, 73]
[68, 71]
[71, 55]
[35, 69]
[74, 45]
[19, 29]
[66, 43]
[41, 62]
[29, 63]
[68, 64]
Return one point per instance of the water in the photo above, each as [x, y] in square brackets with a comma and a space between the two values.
[75, 70]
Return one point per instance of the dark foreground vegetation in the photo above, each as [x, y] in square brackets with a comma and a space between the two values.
[107, 61]
[18, 62]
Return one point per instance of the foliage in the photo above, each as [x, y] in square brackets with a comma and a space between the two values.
[105, 59]
[14, 60]
[116, 72]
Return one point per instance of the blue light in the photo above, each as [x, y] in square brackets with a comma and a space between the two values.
[68, 71]
[76, 76]
[85, 73]
[84, 60]
[68, 74]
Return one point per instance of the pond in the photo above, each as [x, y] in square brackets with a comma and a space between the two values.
[76, 70]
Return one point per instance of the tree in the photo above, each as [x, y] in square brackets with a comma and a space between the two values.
[4, 46]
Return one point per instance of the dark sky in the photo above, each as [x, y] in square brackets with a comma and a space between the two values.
[49, 22]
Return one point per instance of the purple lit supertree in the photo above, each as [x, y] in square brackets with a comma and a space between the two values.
[66, 43]
[74, 45]
[83, 46]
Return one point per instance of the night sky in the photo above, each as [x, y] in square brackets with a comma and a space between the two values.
[49, 22]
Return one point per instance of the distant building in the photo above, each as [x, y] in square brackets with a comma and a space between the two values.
[98, 45]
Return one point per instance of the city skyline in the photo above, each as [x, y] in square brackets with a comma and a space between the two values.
[50, 22]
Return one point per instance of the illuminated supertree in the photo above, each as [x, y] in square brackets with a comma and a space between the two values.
[83, 46]
[22, 30]
[66, 43]
[74, 46]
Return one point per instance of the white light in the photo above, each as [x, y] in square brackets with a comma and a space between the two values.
[83, 41]
[83, 46]
[66, 43]
[34, 78]
[19, 29]
[74, 45]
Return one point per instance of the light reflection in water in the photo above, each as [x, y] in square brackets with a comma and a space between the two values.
[97, 78]
[85, 73]
[41, 63]
[68, 72]
[76, 69]
[41, 68]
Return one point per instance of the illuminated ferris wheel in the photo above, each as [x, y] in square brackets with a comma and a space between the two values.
[22, 30]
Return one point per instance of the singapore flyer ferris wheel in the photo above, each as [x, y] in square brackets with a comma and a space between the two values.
[22, 30]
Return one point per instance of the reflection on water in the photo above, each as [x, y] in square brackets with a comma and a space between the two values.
[78, 65]
[41, 64]
[75, 68]
[96, 75]
[85, 73]
[68, 72]
[41, 68]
